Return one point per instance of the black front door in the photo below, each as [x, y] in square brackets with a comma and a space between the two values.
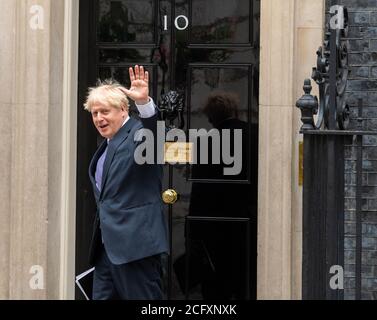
[208, 52]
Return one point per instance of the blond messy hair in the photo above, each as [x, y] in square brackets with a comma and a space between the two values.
[107, 92]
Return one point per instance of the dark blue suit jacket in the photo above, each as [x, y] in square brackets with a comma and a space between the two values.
[129, 207]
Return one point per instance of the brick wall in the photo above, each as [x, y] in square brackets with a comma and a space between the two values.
[362, 84]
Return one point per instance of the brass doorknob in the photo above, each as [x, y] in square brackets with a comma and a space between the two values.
[170, 196]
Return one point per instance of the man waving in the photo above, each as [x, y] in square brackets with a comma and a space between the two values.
[130, 231]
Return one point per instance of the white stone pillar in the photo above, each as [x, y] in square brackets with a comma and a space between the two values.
[31, 158]
[309, 17]
[7, 21]
[285, 56]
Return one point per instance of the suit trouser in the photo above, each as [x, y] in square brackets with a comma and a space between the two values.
[137, 280]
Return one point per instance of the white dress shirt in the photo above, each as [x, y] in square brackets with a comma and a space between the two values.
[147, 110]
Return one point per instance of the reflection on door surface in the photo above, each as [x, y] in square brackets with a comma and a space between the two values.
[207, 51]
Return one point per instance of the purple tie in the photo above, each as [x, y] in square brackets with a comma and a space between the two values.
[99, 169]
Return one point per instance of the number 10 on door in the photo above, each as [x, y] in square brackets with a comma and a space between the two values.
[181, 23]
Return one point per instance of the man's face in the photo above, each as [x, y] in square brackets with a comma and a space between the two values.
[107, 119]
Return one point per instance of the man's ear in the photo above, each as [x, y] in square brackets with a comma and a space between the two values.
[124, 110]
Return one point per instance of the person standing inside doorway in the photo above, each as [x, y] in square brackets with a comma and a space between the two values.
[130, 230]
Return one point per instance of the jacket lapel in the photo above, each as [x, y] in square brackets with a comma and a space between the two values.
[112, 148]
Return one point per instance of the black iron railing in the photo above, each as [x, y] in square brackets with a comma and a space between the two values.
[325, 138]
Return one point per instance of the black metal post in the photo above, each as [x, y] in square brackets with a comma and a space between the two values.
[332, 80]
[359, 168]
[323, 193]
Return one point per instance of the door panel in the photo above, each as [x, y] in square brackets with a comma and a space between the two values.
[127, 21]
[208, 51]
[225, 23]
[216, 63]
